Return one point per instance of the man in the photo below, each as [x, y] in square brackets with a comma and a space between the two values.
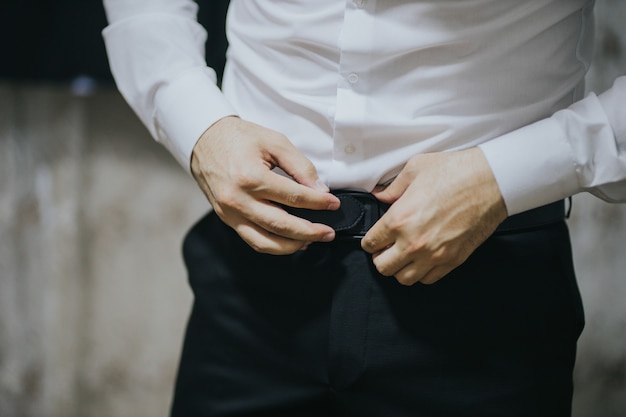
[361, 147]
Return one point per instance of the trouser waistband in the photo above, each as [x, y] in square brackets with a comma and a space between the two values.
[359, 211]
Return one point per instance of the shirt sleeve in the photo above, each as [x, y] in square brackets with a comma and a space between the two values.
[581, 148]
[156, 54]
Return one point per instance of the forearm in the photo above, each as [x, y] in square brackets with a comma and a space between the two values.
[156, 54]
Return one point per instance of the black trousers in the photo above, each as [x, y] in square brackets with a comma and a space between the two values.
[321, 333]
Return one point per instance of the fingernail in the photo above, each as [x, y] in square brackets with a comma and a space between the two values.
[334, 205]
[328, 237]
[319, 185]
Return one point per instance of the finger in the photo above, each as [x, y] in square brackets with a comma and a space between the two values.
[298, 166]
[413, 273]
[283, 190]
[379, 237]
[409, 274]
[277, 221]
[435, 274]
[265, 242]
[395, 189]
[390, 261]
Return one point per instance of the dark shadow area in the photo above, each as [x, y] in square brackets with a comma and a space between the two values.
[60, 40]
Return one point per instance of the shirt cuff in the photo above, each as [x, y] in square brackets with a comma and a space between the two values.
[612, 104]
[185, 109]
[533, 165]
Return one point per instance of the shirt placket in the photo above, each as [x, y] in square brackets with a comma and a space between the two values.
[351, 102]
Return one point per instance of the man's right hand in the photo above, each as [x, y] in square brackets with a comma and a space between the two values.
[233, 161]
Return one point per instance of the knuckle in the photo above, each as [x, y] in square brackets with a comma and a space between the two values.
[395, 224]
[429, 281]
[367, 244]
[282, 139]
[405, 280]
[227, 200]
[309, 168]
[440, 256]
[278, 227]
[293, 199]
[281, 142]
[383, 269]
[417, 246]
[455, 257]
[247, 180]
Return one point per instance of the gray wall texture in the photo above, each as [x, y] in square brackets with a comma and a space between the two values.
[93, 295]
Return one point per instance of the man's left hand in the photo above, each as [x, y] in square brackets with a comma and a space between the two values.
[444, 205]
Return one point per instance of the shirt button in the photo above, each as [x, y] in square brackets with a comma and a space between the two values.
[353, 78]
[350, 148]
[360, 3]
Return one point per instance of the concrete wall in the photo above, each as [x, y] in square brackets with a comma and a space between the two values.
[599, 238]
[93, 298]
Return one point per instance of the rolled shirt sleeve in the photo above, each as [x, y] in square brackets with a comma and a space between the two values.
[581, 148]
[156, 54]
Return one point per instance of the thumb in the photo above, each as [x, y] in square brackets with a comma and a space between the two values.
[393, 191]
[299, 167]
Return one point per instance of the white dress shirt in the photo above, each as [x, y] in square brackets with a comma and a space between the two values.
[360, 86]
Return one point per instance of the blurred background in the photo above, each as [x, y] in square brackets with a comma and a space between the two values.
[93, 293]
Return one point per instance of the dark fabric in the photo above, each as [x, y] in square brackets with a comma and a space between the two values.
[57, 41]
[359, 211]
[321, 333]
[357, 214]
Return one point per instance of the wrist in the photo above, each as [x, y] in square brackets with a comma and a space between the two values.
[217, 129]
[489, 187]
